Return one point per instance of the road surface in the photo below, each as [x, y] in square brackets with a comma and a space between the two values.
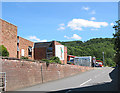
[99, 79]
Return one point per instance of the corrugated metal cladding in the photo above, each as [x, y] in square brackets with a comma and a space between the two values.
[83, 61]
[42, 44]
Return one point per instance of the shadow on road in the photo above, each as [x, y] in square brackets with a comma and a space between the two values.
[110, 86]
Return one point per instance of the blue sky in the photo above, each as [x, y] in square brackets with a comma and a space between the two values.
[62, 21]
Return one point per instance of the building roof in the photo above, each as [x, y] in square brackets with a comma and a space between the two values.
[71, 56]
[42, 44]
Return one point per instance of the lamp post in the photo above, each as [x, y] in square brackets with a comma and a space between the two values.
[103, 58]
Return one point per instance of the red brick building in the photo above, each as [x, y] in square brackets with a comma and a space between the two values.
[19, 47]
[25, 48]
[45, 50]
[9, 37]
[16, 46]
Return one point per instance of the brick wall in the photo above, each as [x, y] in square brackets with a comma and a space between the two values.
[40, 53]
[24, 44]
[8, 37]
[65, 55]
[0, 32]
[22, 74]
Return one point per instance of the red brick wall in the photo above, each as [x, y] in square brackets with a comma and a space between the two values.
[21, 74]
[56, 43]
[0, 32]
[65, 55]
[9, 37]
[40, 53]
[24, 44]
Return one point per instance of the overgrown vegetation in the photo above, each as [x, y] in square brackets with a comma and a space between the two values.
[52, 60]
[3, 51]
[93, 47]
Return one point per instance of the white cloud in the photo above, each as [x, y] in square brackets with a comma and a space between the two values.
[93, 18]
[111, 24]
[85, 8]
[61, 28]
[93, 12]
[75, 36]
[67, 37]
[77, 24]
[62, 24]
[94, 29]
[35, 39]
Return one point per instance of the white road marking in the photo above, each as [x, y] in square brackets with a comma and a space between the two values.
[85, 82]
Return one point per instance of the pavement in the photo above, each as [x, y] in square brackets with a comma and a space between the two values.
[99, 79]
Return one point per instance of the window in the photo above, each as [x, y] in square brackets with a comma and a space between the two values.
[30, 51]
[49, 52]
[17, 47]
[22, 52]
[17, 39]
[49, 49]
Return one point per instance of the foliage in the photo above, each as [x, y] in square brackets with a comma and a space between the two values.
[93, 47]
[117, 42]
[70, 63]
[52, 60]
[55, 59]
[3, 51]
[24, 57]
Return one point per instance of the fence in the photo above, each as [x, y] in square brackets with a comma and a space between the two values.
[2, 81]
[83, 61]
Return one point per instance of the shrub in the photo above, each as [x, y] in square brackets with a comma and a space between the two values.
[46, 60]
[52, 60]
[24, 58]
[70, 63]
[55, 59]
[3, 51]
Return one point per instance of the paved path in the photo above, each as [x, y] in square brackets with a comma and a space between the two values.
[100, 79]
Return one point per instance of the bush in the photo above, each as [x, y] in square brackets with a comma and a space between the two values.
[52, 60]
[55, 59]
[24, 58]
[3, 51]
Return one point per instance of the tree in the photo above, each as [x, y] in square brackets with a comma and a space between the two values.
[117, 42]
[3, 51]
[93, 47]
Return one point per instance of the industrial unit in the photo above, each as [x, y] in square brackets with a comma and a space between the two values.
[19, 47]
[46, 50]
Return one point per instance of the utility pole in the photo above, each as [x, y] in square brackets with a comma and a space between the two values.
[103, 58]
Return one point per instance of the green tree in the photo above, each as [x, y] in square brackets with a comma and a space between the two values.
[117, 42]
[93, 47]
[52, 60]
[3, 51]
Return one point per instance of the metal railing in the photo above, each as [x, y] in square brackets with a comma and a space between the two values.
[2, 81]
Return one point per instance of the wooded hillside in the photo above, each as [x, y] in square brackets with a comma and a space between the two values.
[93, 47]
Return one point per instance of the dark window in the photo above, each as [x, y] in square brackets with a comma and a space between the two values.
[49, 52]
[49, 49]
[30, 51]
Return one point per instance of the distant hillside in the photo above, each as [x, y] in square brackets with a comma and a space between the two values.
[93, 47]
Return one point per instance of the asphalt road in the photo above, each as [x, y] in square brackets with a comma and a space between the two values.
[99, 79]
